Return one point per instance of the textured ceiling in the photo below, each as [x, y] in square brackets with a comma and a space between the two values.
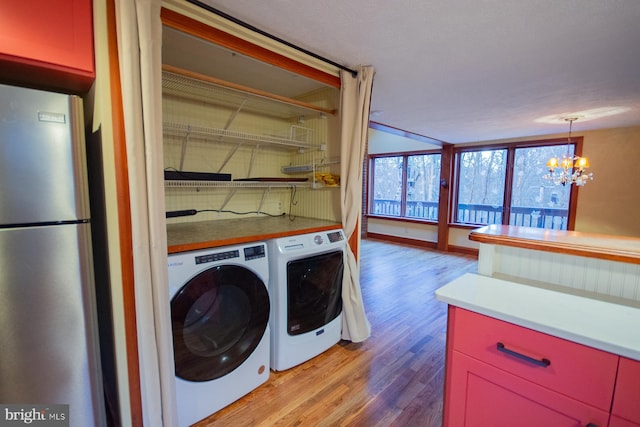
[473, 70]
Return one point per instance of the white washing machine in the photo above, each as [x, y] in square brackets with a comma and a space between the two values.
[220, 319]
[306, 294]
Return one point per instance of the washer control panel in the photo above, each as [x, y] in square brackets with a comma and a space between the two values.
[255, 252]
[217, 256]
[335, 236]
[250, 252]
[310, 242]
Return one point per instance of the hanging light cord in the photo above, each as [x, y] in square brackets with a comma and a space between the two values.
[570, 120]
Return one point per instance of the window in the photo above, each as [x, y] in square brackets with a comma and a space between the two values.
[405, 186]
[387, 185]
[422, 189]
[535, 201]
[506, 185]
[481, 177]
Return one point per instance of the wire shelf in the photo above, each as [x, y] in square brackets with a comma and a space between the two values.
[234, 184]
[205, 132]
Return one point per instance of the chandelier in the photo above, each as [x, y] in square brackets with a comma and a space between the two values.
[571, 169]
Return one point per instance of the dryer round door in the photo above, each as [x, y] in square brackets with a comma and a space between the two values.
[218, 319]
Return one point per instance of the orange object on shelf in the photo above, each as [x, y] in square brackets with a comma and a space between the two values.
[328, 179]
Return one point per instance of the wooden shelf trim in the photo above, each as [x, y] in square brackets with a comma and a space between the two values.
[245, 89]
[244, 239]
[612, 248]
[219, 37]
[191, 236]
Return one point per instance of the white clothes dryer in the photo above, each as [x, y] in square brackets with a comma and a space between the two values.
[306, 292]
[220, 321]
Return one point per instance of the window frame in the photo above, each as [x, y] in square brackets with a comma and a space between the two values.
[511, 148]
[403, 195]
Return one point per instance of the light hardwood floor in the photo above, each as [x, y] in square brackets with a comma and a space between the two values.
[394, 378]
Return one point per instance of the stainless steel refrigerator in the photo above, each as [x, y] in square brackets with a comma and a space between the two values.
[48, 329]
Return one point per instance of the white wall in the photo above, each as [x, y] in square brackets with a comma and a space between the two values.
[407, 230]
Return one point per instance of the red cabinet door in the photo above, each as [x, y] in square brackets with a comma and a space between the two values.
[621, 422]
[575, 370]
[626, 400]
[47, 43]
[483, 395]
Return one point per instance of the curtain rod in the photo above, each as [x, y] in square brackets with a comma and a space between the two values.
[271, 36]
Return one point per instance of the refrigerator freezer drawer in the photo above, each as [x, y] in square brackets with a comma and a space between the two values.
[47, 320]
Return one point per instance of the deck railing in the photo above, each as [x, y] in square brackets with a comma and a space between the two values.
[527, 216]
[415, 209]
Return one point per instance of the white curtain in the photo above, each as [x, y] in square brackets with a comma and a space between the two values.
[139, 47]
[355, 100]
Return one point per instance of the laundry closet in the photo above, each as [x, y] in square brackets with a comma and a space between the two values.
[252, 175]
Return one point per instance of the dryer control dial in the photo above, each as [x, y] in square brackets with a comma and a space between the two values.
[318, 239]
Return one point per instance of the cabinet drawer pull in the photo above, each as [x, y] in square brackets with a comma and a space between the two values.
[542, 362]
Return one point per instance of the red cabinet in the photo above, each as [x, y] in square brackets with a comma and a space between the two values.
[488, 396]
[621, 422]
[501, 374]
[626, 400]
[47, 43]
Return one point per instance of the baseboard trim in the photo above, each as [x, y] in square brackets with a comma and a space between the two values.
[463, 250]
[402, 240]
[421, 243]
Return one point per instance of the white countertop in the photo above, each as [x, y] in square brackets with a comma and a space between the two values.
[603, 325]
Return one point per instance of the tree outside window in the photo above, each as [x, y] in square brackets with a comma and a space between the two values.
[481, 186]
[406, 186]
[536, 201]
[532, 201]
[423, 189]
[387, 185]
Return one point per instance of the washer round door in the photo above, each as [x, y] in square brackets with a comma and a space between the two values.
[218, 319]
